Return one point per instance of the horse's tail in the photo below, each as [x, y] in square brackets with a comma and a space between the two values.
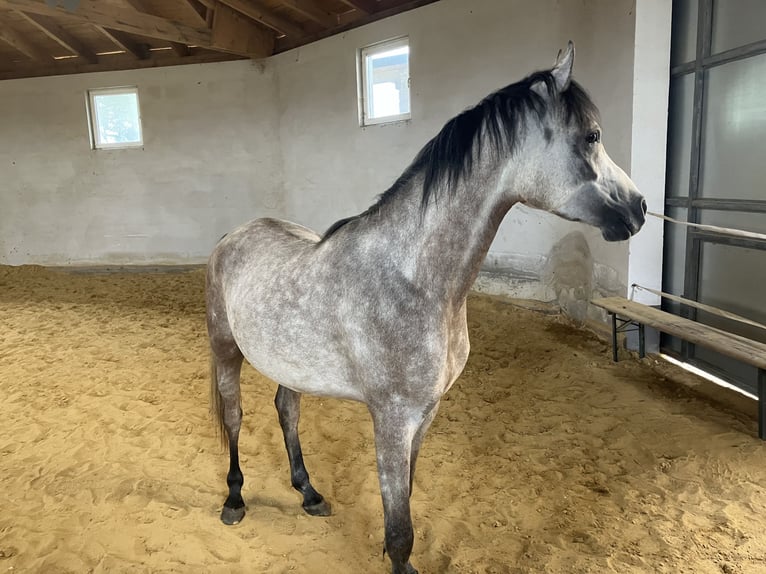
[216, 403]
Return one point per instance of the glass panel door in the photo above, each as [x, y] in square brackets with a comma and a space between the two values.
[716, 173]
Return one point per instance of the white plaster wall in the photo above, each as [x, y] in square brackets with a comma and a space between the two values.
[210, 161]
[229, 142]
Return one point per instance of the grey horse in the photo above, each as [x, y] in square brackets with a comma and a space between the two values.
[374, 310]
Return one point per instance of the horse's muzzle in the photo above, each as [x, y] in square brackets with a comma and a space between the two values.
[626, 222]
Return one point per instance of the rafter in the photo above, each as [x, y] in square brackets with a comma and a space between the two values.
[124, 20]
[366, 6]
[265, 17]
[199, 8]
[125, 42]
[16, 40]
[9, 70]
[253, 41]
[348, 21]
[179, 48]
[312, 10]
[184, 31]
[230, 33]
[55, 32]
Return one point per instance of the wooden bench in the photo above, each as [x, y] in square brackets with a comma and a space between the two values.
[627, 312]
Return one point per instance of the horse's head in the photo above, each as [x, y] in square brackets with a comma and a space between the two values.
[573, 176]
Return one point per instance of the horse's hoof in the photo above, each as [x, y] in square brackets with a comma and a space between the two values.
[232, 516]
[321, 508]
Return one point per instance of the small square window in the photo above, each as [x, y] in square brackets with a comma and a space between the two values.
[114, 117]
[384, 72]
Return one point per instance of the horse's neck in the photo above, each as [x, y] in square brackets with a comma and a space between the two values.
[441, 250]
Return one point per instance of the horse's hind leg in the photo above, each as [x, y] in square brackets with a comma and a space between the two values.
[226, 397]
[225, 366]
[288, 405]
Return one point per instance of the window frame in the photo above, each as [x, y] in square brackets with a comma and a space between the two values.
[93, 120]
[364, 83]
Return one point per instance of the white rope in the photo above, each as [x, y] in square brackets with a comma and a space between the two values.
[708, 308]
[713, 228]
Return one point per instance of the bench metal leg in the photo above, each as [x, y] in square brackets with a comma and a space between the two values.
[762, 404]
[641, 341]
[614, 336]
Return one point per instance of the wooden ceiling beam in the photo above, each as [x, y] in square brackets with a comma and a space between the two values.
[55, 32]
[199, 8]
[10, 70]
[125, 42]
[252, 41]
[265, 17]
[233, 32]
[366, 6]
[17, 41]
[351, 20]
[124, 20]
[313, 11]
[179, 48]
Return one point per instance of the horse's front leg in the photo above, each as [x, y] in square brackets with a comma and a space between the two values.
[394, 433]
[418, 440]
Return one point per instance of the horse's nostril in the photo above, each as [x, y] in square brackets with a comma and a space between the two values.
[643, 206]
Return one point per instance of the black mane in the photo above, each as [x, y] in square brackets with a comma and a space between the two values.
[449, 156]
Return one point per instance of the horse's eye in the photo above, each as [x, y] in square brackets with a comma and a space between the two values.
[593, 137]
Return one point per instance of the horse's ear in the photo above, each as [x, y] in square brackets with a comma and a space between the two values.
[562, 70]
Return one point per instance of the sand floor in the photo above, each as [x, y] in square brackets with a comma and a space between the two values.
[545, 457]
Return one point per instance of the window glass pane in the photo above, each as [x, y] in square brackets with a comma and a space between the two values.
[680, 135]
[736, 372]
[684, 32]
[116, 118]
[733, 165]
[387, 81]
[674, 258]
[738, 22]
[752, 221]
[673, 265]
[732, 279]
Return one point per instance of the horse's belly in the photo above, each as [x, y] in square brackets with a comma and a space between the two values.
[304, 366]
[302, 380]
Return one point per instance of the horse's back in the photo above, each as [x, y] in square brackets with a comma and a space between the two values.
[255, 246]
[266, 232]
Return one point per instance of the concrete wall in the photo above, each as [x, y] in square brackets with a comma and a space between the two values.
[211, 157]
[228, 142]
